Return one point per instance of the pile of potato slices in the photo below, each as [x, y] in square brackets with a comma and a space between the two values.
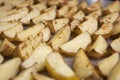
[59, 40]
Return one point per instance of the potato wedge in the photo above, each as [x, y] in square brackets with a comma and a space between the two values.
[109, 18]
[13, 2]
[111, 8]
[7, 48]
[49, 14]
[90, 26]
[79, 15]
[38, 76]
[56, 2]
[9, 69]
[83, 5]
[72, 3]
[80, 41]
[106, 65]
[25, 49]
[61, 37]
[15, 16]
[58, 68]
[57, 24]
[115, 73]
[105, 30]
[26, 74]
[1, 58]
[38, 57]
[115, 44]
[12, 32]
[74, 24]
[99, 48]
[26, 19]
[30, 32]
[83, 67]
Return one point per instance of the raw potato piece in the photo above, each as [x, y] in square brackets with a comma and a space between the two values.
[83, 68]
[38, 57]
[80, 41]
[99, 47]
[58, 68]
[57, 24]
[49, 14]
[115, 44]
[41, 77]
[6, 7]
[79, 15]
[26, 19]
[115, 73]
[1, 58]
[72, 3]
[12, 32]
[15, 16]
[106, 65]
[74, 24]
[113, 7]
[90, 26]
[83, 5]
[7, 48]
[9, 69]
[109, 18]
[26, 74]
[30, 32]
[105, 30]
[61, 37]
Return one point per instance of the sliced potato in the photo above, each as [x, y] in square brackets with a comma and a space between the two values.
[90, 26]
[113, 7]
[9, 69]
[26, 19]
[99, 47]
[26, 74]
[81, 41]
[38, 57]
[115, 73]
[109, 18]
[79, 15]
[74, 24]
[1, 58]
[115, 44]
[83, 5]
[41, 77]
[105, 30]
[58, 68]
[106, 65]
[72, 3]
[15, 16]
[49, 14]
[61, 37]
[7, 48]
[56, 2]
[12, 32]
[83, 67]
[30, 32]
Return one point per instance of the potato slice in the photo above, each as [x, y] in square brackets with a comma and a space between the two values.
[109, 18]
[12, 32]
[113, 7]
[61, 37]
[83, 5]
[26, 74]
[7, 48]
[1, 58]
[58, 68]
[15, 16]
[115, 44]
[105, 30]
[39, 6]
[13, 2]
[25, 49]
[30, 32]
[46, 34]
[90, 26]
[106, 65]
[79, 15]
[38, 76]
[57, 24]
[26, 19]
[72, 3]
[9, 69]
[38, 57]
[56, 2]
[80, 41]
[99, 47]
[49, 14]
[115, 73]
[74, 24]
[83, 67]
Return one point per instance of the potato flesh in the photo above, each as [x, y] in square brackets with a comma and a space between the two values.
[1, 58]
